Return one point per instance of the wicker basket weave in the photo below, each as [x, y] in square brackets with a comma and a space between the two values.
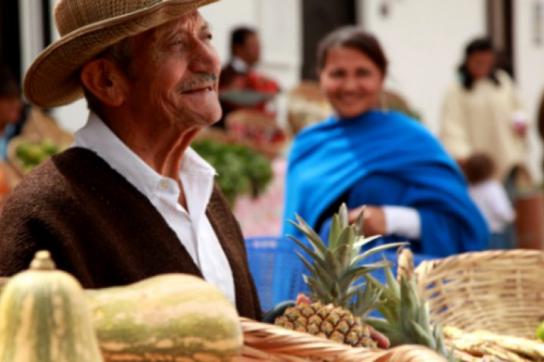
[265, 342]
[499, 291]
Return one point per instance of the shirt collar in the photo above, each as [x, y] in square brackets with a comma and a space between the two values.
[99, 138]
[239, 65]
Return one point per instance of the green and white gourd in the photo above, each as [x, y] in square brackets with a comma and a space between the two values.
[44, 317]
[171, 317]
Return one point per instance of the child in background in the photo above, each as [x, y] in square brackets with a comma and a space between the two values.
[491, 198]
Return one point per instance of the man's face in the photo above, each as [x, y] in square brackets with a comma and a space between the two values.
[174, 75]
[250, 52]
[253, 49]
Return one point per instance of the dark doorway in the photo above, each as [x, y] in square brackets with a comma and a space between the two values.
[319, 18]
[46, 21]
[10, 50]
[10, 32]
[500, 25]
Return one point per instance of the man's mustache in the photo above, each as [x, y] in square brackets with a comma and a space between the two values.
[201, 80]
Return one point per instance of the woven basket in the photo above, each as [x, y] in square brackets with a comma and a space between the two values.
[499, 291]
[306, 105]
[266, 342]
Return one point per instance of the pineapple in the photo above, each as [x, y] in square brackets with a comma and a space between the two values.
[335, 270]
[406, 314]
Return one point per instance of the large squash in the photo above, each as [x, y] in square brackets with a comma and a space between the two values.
[171, 317]
[44, 317]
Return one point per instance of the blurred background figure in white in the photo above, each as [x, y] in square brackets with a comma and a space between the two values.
[482, 113]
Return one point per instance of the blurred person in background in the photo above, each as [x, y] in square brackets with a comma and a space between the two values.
[481, 112]
[382, 160]
[491, 198]
[12, 111]
[240, 84]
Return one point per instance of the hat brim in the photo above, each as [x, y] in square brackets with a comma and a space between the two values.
[53, 79]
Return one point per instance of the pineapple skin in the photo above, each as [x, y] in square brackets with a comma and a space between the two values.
[327, 321]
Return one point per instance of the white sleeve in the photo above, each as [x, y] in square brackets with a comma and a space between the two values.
[502, 207]
[402, 221]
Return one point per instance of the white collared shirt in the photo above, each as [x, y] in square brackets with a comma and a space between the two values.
[239, 65]
[192, 228]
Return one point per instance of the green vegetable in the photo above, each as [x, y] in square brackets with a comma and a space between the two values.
[169, 318]
[44, 317]
[31, 154]
[540, 332]
[241, 170]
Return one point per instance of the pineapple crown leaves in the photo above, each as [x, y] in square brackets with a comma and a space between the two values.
[368, 299]
[334, 269]
[405, 314]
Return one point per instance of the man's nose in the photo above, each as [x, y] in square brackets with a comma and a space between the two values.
[204, 58]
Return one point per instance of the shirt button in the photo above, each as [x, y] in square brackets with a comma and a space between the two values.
[163, 184]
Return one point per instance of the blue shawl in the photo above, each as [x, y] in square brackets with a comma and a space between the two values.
[329, 159]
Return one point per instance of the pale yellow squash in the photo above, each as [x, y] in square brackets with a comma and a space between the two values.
[171, 317]
[44, 317]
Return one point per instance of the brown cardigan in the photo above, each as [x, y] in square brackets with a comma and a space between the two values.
[104, 231]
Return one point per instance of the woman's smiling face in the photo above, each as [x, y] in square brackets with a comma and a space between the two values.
[351, 81]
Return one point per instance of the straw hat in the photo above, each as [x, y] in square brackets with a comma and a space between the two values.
[87, 27]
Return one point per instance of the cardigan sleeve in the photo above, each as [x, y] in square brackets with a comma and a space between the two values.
[25, 229]
[20, 235]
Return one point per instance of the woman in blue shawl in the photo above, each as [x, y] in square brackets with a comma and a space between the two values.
[362, 155]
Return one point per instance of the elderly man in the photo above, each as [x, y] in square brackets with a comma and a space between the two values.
[130, 199]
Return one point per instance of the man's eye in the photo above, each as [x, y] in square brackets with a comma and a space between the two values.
[177, 44]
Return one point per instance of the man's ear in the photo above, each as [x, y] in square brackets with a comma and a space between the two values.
[105, 81]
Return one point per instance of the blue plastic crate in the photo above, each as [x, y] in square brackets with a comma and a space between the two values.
[277, 270]
[265, 254]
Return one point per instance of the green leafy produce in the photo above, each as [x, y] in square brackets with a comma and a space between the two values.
[540, 332]
[240, 169]
[32, 154]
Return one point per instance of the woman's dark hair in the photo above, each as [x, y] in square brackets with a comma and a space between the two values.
[355, 38]
[478, 167]
[8, 84]
[475, 46]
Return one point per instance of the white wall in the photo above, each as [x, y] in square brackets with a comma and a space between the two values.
[423, 40]
[73, 116]
[278, 23]
[30, 20]
[225, 15]
[529, 64]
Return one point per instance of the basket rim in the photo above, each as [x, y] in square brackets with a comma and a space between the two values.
[277, 341]
[427, 266]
